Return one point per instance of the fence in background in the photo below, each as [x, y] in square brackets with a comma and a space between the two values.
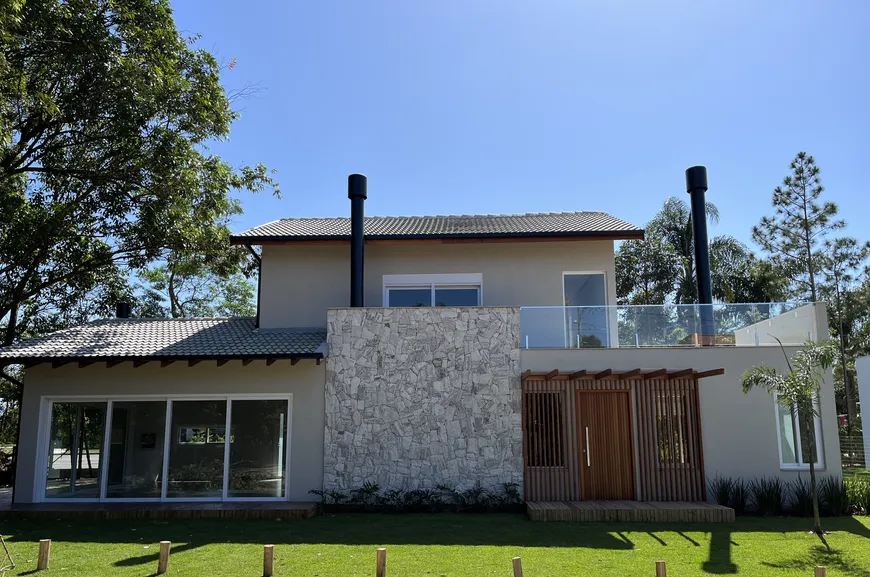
[853, 451]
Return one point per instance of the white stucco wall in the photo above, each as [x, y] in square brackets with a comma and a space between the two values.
[793, 328]
[301, 282]
[304, 381]
[862, 366]
[739, 430]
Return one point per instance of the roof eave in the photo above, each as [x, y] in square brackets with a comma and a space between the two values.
[634, 234]
[32, 360]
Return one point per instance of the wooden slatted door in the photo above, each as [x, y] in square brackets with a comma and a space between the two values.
[606, 449]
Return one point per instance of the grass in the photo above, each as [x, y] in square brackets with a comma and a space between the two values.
[855, 472]
[447, 544]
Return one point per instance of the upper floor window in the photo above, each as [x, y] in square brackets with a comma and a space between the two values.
[426, 290]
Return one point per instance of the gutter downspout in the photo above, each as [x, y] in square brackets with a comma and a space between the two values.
[259, 281]
[20, 386]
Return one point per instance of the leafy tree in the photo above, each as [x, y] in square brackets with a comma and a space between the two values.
[740, 277]
[646, 270]
[799, 392]
[105, 116]
[197, 286]
[839, 265]
[673, 224]
[799, 225]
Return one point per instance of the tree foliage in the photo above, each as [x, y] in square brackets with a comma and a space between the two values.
[646, 270]
[673, 223]
[661, 268]
[197, 286]
[105, 116]
[801, 221]
[842, 267]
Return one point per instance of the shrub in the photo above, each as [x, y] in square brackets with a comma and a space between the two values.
[767, 495]
[740, 493]
[721, 488]
[833, 499]
[801, 498]
[444, 497]
[367, 495]
[858, 494]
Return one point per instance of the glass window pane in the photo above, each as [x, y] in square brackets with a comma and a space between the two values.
[136, 450]
[585, 327]
[258, 448]
[75, 445]
[788, 441]
[457, 297]
[584, 290]
[196, 468]
[417, 297]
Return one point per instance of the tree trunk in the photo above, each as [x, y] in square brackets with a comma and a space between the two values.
[851, 405]
[810, 434]
[11, 326]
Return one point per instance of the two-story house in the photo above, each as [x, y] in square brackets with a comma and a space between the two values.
[413, 352]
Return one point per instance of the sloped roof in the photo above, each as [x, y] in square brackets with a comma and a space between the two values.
[212, 338]
[540, 224]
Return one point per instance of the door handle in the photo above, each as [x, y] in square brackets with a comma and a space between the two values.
[588, 463]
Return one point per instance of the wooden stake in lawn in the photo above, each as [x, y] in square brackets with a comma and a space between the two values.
[163, 558]
[518, 567]
[382, 563]
[821, 572]
[44, 554]
[268, 560]
[661, 569]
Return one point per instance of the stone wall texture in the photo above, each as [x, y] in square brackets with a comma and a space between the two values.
[417, 397]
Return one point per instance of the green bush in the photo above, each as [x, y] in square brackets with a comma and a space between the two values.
[720, 489]
[740, 494]
[801, 502]
[443, 498]
[858, 494]
[768, 495]
[833, 499]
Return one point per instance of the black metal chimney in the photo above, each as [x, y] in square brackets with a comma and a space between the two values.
[696, 186]
[357, 192]
[123, 310]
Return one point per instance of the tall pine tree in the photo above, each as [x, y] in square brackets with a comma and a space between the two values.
[794, 234]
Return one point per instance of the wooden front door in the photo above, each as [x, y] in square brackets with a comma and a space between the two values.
[606, 448]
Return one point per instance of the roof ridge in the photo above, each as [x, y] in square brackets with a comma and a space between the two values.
[476, 215]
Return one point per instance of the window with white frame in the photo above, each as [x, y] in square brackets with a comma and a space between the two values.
[427, 290]
[795, 445]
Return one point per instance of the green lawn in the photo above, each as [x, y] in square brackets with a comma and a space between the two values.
[447, 544]
[855, 472]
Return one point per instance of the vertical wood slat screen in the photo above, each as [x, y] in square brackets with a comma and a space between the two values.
[668, 447]
[671, 458]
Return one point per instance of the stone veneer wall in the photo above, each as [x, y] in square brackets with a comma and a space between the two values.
[417, 397]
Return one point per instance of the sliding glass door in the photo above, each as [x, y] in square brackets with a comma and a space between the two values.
[257, 449]
[135, 465]
[196, 449]
[167, 449]
[586, 322]
[75, 451]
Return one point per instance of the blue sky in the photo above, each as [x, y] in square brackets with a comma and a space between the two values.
[457, 107]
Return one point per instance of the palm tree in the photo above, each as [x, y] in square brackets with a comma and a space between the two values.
[673, 223]
[799, 391]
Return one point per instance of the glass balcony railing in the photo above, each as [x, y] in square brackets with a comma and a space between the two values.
[667, 325]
